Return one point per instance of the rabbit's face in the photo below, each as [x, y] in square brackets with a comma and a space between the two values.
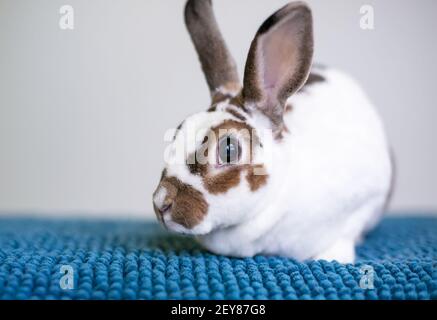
[214, 174]
[216, 171]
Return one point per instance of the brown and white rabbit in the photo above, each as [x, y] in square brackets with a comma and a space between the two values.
[310, 188]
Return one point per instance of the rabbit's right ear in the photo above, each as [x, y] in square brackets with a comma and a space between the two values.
[217, 63]
[279, 61]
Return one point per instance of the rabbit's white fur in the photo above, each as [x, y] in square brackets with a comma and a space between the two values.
[329, 179]
[328, 182]
[329, 175]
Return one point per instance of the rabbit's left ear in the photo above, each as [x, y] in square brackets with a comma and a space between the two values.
[216, 60]
[279, 61]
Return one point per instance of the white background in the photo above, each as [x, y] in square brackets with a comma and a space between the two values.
[83, 112]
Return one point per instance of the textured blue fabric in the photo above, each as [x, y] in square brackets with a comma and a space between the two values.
[138, 260]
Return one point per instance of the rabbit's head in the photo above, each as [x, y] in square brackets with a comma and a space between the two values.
[215, 173]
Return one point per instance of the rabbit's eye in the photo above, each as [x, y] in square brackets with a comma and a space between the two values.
[228, 150]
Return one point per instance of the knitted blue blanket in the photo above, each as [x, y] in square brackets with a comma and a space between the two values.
[69, 259]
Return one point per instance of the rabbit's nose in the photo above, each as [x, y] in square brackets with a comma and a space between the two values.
[162, 203]
[165, 208]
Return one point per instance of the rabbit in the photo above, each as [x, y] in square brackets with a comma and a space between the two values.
[315, 172]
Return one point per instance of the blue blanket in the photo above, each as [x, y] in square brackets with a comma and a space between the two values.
[69, 259]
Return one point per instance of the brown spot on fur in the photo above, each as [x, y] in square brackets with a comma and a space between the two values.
[222, 182]
[312, 78]
[188, 204]
[234, 100]
[230, 176]
[238, 101]
[220, 97]
[213, 108]
[256, 177]
[236, 114]
[231, 125]
[195, 167]
[288, 108]
[177, 130]
[245, 130]
[163, 174]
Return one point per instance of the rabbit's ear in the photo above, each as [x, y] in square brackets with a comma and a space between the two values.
[279, 60]
[217, 63]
